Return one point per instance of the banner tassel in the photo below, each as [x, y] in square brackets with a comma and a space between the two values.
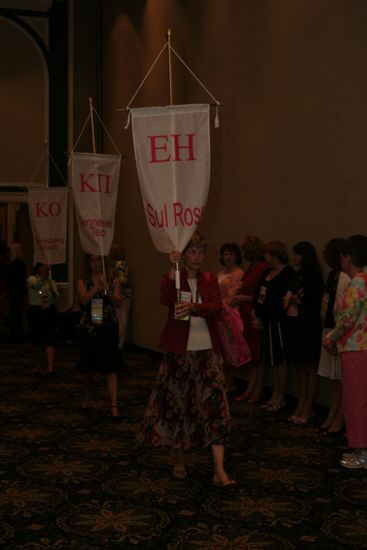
[216, 120]
[128, 120]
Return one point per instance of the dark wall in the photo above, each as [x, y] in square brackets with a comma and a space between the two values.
[288, 161]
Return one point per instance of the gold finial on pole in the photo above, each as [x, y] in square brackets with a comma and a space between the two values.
[92, 125]
[169, 34]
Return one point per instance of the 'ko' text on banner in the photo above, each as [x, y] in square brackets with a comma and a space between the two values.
[48, 215]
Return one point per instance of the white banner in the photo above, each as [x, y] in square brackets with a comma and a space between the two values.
[95, 180]
[48, 215]
[172, 151]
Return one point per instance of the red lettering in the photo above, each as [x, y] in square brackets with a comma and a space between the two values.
[46, 209]
[104, 178]
[159, 219]
[177, 213]
[159, 144]
[154, 147]
[188, 216]
[40, 209]
[55, 208]
[178, 147]
[84, 183]
[102, 185]
[197, 214]
[98, 232]
[150, 214]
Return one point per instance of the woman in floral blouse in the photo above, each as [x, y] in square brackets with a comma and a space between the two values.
[349, 338]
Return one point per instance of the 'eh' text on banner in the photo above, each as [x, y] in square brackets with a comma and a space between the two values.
[48, 215]
[95, 180]
[172, 151]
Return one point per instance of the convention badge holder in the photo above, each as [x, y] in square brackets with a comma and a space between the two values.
[262, 294]
[97, 311]
[45, 304]
[184, 297]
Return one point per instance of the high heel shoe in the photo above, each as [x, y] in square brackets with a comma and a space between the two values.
[267, 405]
[179, 473]
[255, 398]
[340, 431]
[115, 417]
[303, 421]
[323, 429]
[244, 396]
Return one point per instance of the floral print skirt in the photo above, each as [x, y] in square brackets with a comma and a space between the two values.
[188, 406]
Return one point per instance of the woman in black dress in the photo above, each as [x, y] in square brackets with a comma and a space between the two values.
[99, 329]
[303, 326]
[269, 313]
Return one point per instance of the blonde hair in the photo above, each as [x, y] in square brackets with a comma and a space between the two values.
[196, 241]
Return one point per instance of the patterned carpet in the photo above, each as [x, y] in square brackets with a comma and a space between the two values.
[72, 479]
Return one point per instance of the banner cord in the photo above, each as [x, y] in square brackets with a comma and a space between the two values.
[78, 139]
[201, 84]
[82, 130]
[57, 169]
[46, 151]
[146, 76]
[107, 132]
[38, 165]
[217, 103]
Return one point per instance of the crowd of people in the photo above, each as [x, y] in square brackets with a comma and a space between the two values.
[94, 318]
[264, 310]
[275, 313]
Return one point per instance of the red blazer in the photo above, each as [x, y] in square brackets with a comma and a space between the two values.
[176, 333]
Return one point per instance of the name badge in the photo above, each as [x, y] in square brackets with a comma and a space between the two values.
[262, 294]
[184, 297]
[97, 311]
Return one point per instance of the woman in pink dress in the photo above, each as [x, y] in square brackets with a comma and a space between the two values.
[230, 326]
[253, 252]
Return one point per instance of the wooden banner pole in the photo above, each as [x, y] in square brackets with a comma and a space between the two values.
[92, 125]
[169, 34]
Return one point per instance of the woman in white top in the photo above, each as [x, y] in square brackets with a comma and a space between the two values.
[329, 366]
[42, 316]
[188, 406]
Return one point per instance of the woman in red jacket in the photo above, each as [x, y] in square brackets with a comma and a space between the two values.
[188, 405]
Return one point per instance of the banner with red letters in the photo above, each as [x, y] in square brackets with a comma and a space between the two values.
[48, 215]
[95, 180]
[172, 150]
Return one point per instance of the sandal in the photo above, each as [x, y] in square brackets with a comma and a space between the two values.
[223, 483]
[179, 473]
[244, 396]
[115, 416]
[267, 405]
[255, 398]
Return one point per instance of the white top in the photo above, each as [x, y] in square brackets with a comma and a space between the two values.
[199, 337]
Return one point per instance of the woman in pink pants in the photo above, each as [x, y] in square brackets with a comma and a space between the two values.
[350, 338]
